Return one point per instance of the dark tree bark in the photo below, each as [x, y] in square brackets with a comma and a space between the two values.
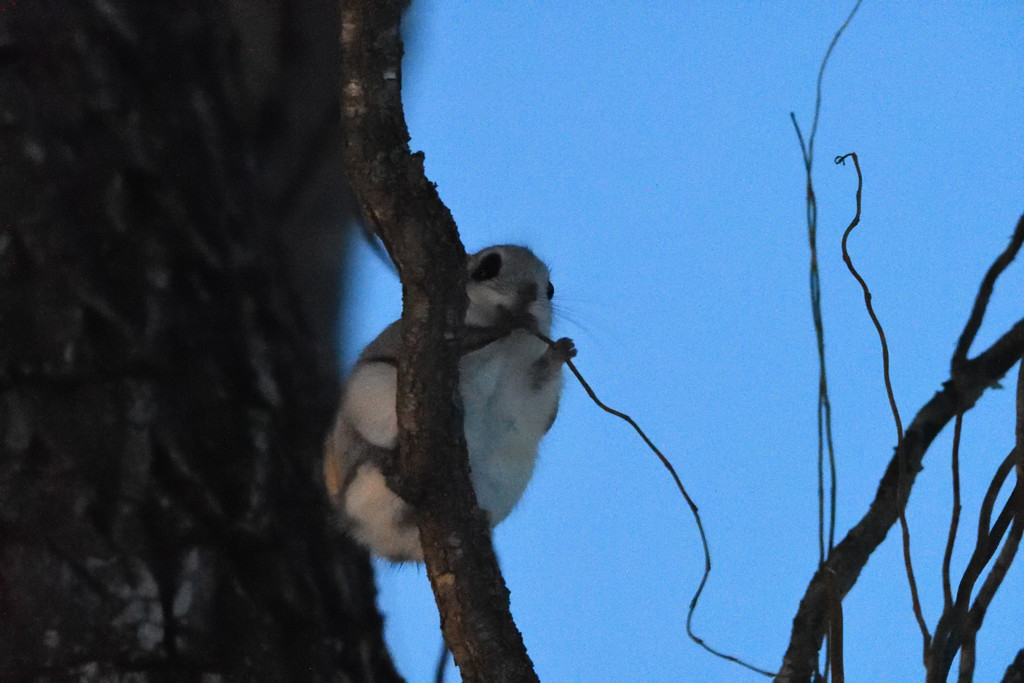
[432, 474]
[169, 247]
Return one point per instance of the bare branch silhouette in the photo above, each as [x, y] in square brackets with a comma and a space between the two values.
[954, 522]
[958, 626]
[824, 408]
[824, 405]
[853, 551]
[900, 502]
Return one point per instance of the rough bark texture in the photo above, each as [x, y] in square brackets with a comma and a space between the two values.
[163, 393]
[433, 473]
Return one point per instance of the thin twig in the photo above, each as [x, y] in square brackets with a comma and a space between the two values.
[1000, 566]
[1019, 428]
[1002, 563]
[809, 149]
[989, 534]
[984, 293]
[951, 630]
[442, 664]
[900, 498]
[689, 501]
[955, 630]
[851, 554]
[824, 406]
[991, 585]
[954, 522]
[948, 628]
[985, 526]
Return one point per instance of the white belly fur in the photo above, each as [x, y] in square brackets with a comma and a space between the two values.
[505, 418]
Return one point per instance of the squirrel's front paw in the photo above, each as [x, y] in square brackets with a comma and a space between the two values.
[562, 350]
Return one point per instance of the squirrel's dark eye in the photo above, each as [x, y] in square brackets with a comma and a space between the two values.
[551, 291]
[488, 268]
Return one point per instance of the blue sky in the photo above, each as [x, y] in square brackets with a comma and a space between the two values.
[644, 151]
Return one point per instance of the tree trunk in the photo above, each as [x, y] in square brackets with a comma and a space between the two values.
[170, 241]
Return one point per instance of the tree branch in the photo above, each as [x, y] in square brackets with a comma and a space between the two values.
[432, 474]
[1015, 672]
[972, 378]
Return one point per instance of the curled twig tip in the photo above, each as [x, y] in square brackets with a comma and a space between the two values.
[901, 496]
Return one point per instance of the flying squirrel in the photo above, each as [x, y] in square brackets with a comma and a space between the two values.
[510, 382]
